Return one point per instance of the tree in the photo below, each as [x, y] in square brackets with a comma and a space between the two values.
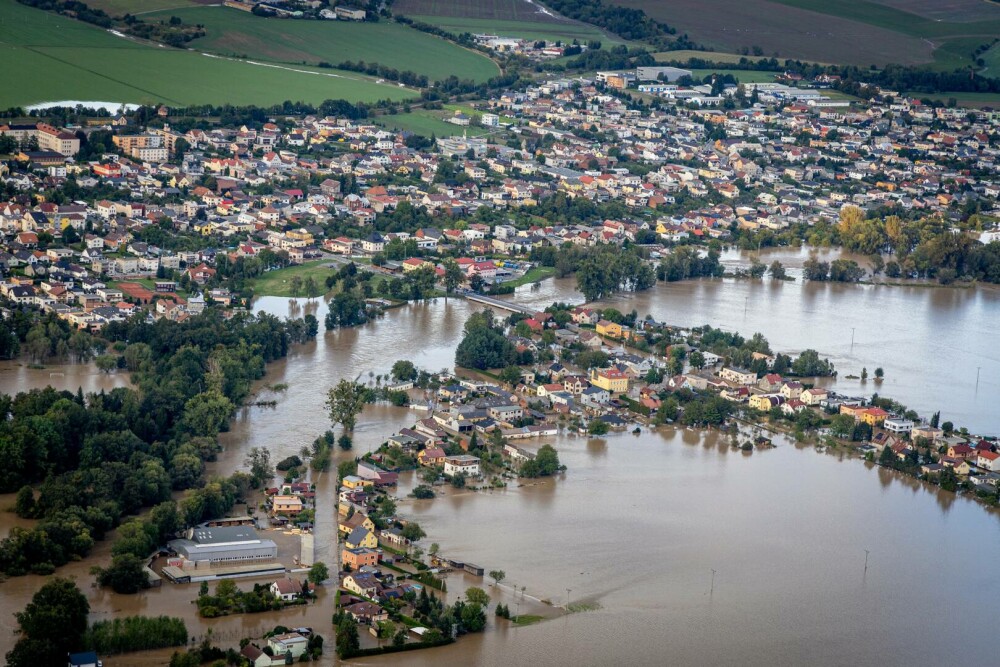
[510, 375]
[295, 287]
[484, 346]
[497, 576]
[476, 595]
[453, 276]
[259, 462]
[403, 371]
[864, 374]
[347, 636]
[345, 402]
[598, 427]
[24, 503]
[319, 572]
[312, 289]
[548, 460]
[106, 362]
[879, 374]
[125, 575]
[777, 270]
[697, 359]
[51, 625]
[413, 532]
[423, 492]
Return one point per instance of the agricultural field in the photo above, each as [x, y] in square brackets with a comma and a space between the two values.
[508, 18]
[565, 32]
[123, 7]
[493, 10]
[861, 32]
[991, 61]
[47, 58]
[233, 32]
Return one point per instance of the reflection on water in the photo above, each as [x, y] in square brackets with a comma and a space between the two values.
[638, 523]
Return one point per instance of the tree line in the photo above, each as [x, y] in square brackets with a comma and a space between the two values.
[104, 456]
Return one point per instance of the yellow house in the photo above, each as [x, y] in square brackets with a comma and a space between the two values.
[609, 379]
[874, 416]
[287, 504]
[361, 537]
[355, 482]
[357, 520]
[300, 235]
[607, 328]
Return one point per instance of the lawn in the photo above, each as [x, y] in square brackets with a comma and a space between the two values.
[534, 275]
[233, 32]
[426, 123]
[45, 57]
[279, 283]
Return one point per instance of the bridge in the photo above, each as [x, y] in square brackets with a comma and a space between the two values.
[498, 303]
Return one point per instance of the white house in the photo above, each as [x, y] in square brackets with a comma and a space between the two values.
[897, 425]
[291, 642]
[464, 464]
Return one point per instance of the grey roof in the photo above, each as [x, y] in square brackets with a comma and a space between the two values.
[224, 534]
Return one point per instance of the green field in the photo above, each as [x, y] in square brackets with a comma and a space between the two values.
[860, 32]
[45, 57]
[122, 7]
[965, 99]
[991, 61]
[533, 30]
[742, 75]
[233, 32]
[279, 283]
[427, 123]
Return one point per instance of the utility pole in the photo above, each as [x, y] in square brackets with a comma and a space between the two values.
[866, 559]
[977, 378]
[852, 340]
[746, 304]
[712, 589]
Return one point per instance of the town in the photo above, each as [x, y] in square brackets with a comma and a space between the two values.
[127, 237]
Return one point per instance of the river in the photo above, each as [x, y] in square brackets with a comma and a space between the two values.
[638, 523]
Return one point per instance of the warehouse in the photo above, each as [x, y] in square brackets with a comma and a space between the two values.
[664, 73]
[224, 544]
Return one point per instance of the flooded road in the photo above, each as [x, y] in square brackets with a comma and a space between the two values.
[638, 523]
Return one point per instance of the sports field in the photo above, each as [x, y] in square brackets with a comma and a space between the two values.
[233, 32]
[861, 32]
[45, 57]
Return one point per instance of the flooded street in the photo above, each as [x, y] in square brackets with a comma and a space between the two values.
[638, 523]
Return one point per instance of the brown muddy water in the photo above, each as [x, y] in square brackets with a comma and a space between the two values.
[635, 527]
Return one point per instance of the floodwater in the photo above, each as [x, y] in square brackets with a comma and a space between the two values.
[932, 342]
[636, 526]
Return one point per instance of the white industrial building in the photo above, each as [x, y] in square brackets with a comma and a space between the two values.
[224, 544]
